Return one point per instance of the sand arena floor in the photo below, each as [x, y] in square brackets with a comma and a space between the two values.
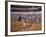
[18, 26]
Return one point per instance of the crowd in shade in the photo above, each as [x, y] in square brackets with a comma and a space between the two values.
[27, 17]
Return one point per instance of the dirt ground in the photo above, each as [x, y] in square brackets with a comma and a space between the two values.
[29, 26]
